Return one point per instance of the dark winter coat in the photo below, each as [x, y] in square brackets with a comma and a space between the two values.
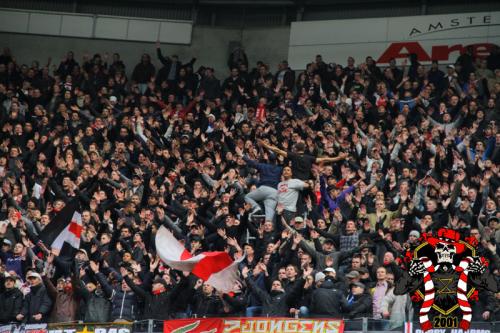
[37, 301]
[95, 307]
[11, 303]
[123, 303]
[157, 306]
[361, 307]
[206, 306]
[276, 303]
[327, 302]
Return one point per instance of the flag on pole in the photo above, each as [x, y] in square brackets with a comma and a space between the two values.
[216, 268]
[65, 228]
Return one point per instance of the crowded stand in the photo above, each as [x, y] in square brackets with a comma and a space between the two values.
[317, 180]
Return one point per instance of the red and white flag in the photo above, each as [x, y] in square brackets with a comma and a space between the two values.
[216, 268]
[65, 228]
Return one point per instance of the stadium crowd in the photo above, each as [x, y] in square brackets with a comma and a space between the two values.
[322, 178]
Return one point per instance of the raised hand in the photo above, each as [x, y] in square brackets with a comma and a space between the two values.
[222, 233]
[198, 284]
[476, 266]
[244, 272]
[94, 266]
[297, 238]
[416, 268]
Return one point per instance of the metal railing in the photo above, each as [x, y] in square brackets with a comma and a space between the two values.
[361, 325]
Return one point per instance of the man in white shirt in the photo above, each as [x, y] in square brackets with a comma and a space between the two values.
[288, 193]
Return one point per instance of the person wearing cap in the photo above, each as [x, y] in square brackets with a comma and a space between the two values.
[330, 272]
[335, 197]
[326, 300]
[299, 225]
[11, 299]
[37, 303]
[6, 245]
[352, 277]
[134, 185]
[328, 252]
[65, 301]
[359, 302]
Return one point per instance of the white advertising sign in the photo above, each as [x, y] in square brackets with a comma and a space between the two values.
[431, 37]
[95, 26]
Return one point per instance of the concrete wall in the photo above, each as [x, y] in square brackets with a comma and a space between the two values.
[209, 46]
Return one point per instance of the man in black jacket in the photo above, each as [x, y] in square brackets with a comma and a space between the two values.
[171, 66]
[11, 300]
[359, 302]
[210, 84]
[275, 303]
[205, 302]
[37, 304]
[326, 301]
[157, 303]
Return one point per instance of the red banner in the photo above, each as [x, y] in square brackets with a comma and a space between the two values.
[253, 325]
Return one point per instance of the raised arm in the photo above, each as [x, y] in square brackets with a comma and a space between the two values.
[135, 288]
[165, 61]
[106, 287]
[51, 289]
[340, 157]
[273, 148]
[256, 290]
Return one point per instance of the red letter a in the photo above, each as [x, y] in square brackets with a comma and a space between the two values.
[402, 50]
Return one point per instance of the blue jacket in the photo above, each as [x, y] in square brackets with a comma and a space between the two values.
[332, 203]
[269, 174]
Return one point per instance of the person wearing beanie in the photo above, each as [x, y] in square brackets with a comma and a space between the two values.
[326, 300]
[414, 236]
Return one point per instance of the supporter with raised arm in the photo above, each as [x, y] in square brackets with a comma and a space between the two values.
[301, 162]
[175, 148]
[266, 192]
